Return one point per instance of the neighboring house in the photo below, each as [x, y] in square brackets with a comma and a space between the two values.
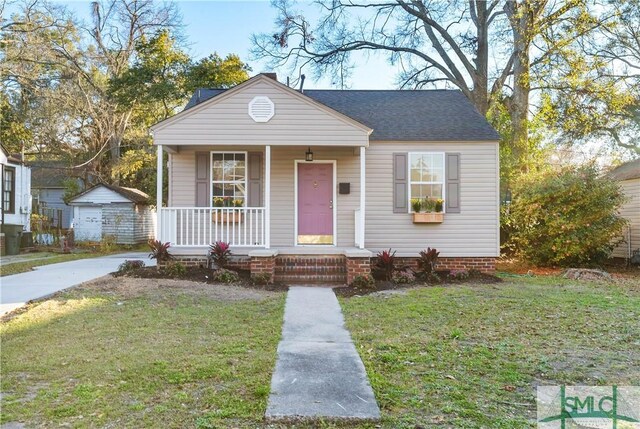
[628, 174]
[15, 211]
[16, 190]
[325, 178]
[48, 186]
[112, 211]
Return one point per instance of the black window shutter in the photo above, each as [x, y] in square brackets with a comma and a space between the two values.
[203, 181]
[400, 183]
[452, 184]
[254, 179]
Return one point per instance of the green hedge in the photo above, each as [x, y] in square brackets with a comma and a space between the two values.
[565, 218]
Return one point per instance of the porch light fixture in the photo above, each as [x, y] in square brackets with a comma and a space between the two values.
[308, 155]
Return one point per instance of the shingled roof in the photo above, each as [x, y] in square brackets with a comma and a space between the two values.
[627, 171]
[132, 194]
[404, 115]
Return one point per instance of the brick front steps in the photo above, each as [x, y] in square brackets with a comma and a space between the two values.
[311, 269]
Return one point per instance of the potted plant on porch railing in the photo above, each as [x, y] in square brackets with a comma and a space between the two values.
[428, 210]
[228, 216]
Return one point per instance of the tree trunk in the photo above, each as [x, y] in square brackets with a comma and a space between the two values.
[480, 81]
[521, 18]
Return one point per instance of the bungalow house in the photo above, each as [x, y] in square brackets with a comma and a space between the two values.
[311, 185]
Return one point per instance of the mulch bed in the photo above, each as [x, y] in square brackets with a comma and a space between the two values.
[201, 274]
[381, 285]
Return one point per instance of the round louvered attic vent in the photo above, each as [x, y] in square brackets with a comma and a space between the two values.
[261, 109]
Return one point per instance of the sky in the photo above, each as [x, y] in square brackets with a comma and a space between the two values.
[226, 26]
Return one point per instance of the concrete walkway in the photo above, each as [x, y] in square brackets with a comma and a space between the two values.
[318, 373]
[18, 289]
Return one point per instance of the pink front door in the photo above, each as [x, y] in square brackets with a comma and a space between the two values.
[315, 203]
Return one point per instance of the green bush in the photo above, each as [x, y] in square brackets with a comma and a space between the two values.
[567, 217]
[130, 265]
[403, 277]
[261, 279]
[225, 276]
[174, 269]
[363, 282]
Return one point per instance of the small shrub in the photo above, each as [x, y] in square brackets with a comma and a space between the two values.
[385, 264]
[403, 277]
[160, 251]
[219, 254]
[363, 282]
[130, 265]
[565, 218]
[225, 276]
[174, 269]
[261, 279]
[458, 275]
[432, 278]
[427, 261]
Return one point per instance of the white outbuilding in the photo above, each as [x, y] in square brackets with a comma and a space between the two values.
[113, 211]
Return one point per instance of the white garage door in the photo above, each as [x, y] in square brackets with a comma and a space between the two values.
[88, 224]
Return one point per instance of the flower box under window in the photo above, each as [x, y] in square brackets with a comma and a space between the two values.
[428, 217]
[228, 217]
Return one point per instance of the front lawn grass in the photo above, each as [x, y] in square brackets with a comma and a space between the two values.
[471, 356]
[459, 356]
[163, 360]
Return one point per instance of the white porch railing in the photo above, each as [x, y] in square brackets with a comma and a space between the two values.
[202, 226]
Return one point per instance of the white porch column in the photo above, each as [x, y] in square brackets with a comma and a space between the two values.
[267, 197]
[159, 194]
[362, 194]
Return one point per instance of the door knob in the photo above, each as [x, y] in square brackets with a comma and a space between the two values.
[330, 204]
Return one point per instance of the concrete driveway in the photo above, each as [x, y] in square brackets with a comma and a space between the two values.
[18, 289]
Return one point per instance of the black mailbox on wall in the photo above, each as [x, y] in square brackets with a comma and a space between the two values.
[344, 188]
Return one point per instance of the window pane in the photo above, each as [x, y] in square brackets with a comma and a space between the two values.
[217, 174]
[415, 175]
[239, 173]
[416, 191]
[239, 191]
[436, 191]
[217, 190]
[426, 191]
[438, 162]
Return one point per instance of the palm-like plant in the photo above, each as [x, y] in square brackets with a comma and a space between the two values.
[160, 251]
[219, 253]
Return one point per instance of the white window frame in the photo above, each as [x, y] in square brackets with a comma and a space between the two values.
[246, 171]
[443, 183]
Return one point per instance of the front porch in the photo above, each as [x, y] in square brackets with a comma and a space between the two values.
[262, 198]
[295, 219]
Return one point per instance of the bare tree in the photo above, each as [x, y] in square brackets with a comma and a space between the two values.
[483, 48]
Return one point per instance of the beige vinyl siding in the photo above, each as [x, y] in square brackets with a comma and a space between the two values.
[630, 211]
[182, 189]
[225, 121]
[472, 232]
[283, 192]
